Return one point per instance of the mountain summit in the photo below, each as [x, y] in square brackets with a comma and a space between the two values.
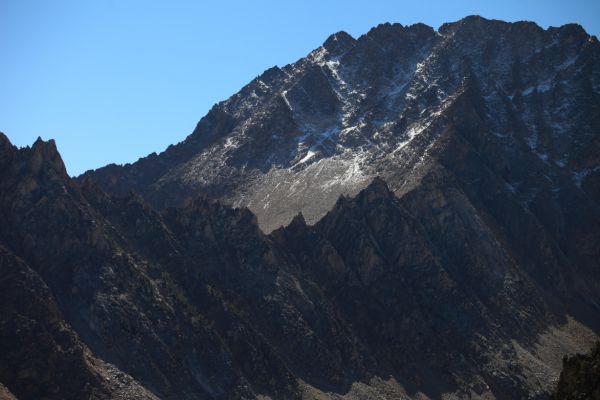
[393, 103]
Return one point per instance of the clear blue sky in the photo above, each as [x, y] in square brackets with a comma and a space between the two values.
[114, 80]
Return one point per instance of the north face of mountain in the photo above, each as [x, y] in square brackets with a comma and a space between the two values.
[297, 137]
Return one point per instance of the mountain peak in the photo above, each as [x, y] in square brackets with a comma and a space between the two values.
[469, 22]
[571, 30]
[298, 220]
[6, 150]
[45, 153]
[386, 27]
[5, 143]
[4, 139]
[385, 31]
[339, 43]
[378, 187]
[378, 105]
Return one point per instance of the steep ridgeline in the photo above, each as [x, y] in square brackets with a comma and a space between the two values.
[516, 104]
[417, 296]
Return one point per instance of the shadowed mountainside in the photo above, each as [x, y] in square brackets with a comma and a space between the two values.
[412, 296]
[580, 377]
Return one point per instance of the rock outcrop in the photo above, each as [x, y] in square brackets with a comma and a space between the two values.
[580, 377]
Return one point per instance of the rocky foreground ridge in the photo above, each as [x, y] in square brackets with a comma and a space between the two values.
[580, 377]
[411, 297]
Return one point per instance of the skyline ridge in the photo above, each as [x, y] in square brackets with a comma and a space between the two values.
[98, 81]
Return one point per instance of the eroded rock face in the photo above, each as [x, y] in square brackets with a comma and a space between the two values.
[42, 356]
[5, 394]
[296, 138]
[580, 377]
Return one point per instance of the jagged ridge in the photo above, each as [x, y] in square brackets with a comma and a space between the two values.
[297, 137]
[198, 302]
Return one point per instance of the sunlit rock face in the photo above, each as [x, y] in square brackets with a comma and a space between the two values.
[523, 98]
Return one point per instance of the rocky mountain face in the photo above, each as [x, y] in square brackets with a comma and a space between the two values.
[440, 192]
[392, 103]
[580, 377]
[410, 297]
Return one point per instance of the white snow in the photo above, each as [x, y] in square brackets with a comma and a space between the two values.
[334, 68]
[287, 102]
[532, 141]
[542, 156]
[396, 89]
[579, 176]
[528, 91]
[540, 88]
[230, 142]
[570, 61]
[510, 187]
[318, 55]
[544, 86]
[310, 154]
